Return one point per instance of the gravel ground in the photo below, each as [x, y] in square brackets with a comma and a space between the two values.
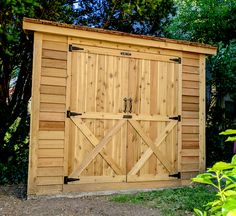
[13, 202]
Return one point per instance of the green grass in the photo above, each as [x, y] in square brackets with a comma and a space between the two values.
[171, 202]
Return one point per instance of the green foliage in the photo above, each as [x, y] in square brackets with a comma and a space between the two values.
[15, 79]
[134, 16]
[171, 202]
[229, 132]
[207, 21]
[212, 22]
[222, 177]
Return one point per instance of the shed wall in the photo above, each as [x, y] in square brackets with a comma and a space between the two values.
[48, 148]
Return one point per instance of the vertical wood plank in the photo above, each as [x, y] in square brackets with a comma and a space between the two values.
[178, 69]
[35, 105]
[67, 123]
[202, 114]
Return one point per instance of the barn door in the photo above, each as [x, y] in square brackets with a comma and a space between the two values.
[97, 145]
[152, 132]
[123, 116]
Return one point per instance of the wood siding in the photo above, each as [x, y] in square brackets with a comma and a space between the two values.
[96, 86]
[51, 114]
[190, 113]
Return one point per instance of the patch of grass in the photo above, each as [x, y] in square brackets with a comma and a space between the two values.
[171, 202]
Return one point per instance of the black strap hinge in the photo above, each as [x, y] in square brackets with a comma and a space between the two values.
[176, 118]
[69, 113]
[176, 175]
[67, 179]
[74, 48]
[177, 60]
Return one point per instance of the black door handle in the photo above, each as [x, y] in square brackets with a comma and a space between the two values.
[130, 105]
[125, 105]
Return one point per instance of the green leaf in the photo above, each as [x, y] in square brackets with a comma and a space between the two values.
[232, 213]
[230, 193]
[228, 132]
[199, 212]
[220, 166]
[229, 205]
[231, 186]
[231, 139]
[233, 161]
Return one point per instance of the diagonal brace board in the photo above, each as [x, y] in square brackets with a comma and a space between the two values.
[98, 148]
[153, 148]
[94, 141]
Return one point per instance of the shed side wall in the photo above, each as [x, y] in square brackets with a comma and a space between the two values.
[51, 121]
[190, 154]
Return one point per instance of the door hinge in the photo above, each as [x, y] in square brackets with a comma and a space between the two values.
[67, 179]
[176, 175]
[74, 48]
[176, 118]
[69, 113]
[177, 60]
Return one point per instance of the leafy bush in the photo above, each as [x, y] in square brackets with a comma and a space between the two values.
[222, 177]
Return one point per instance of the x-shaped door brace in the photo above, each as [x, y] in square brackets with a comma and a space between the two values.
[99, 147]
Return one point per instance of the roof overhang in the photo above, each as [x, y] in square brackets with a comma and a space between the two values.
[50, 27]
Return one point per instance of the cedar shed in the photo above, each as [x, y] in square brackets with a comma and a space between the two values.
[114, 111]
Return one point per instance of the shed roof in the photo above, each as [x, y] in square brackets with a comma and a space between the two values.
[115, 36]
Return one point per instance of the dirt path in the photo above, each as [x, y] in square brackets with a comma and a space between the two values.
[13, 202]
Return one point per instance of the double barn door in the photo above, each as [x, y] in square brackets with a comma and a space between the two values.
[121, 106]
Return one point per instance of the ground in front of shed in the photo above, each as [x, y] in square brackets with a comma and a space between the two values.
[13, 202]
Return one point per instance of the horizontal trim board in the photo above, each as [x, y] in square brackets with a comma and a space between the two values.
[53, 90]
[190, 84]
[51, 144]
[190, 167]
[52, 125]
[50, 171]
[190, 62]
[190, 55]
[189, 152]
[124, 38]
[54, 63]
[133, 54]
[49, 189]
[54, 81]
[55, 38]
[50, 180]
[189, 114]
[190, 92]
[119, 186]
[190, 107]
[190, 99]
[48, 116]
[190, 69]
[189, 160]
[190, 129]
[50, 153]
[190, 145]
[190, 77]
[189, 122]
[53, 72]
[50, 162]
[100, 179]
[51, 107]
[190, 137]
[50, 98]
[52, 45]
[56, 135]
[53, 54]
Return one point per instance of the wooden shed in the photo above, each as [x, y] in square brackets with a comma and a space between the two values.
[114, 111]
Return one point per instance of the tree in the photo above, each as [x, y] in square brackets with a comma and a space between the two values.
[136, 16]
[212, 22]
[15, 75]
